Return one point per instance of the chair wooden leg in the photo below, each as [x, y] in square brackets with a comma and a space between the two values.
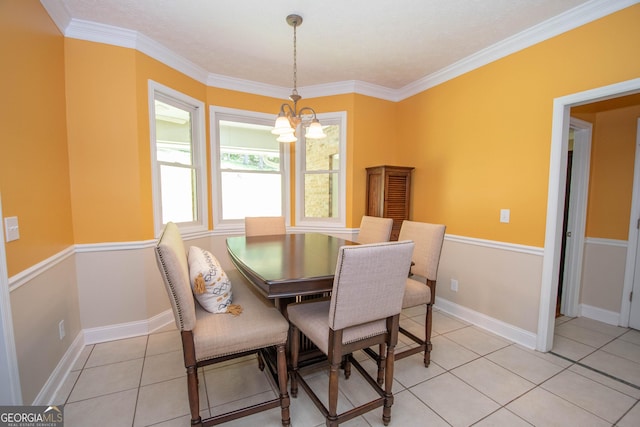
[427, 335]
[194, 398]
[282, 383]
[388, 383]
[381, 363]
[346, 366]
[295, 349]
[332, 417]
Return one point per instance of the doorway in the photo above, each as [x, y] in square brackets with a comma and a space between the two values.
[555, 199]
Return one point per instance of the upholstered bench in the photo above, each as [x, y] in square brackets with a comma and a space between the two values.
[209, 338]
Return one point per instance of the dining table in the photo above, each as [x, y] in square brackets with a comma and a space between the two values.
[289, 268]
[285, 267]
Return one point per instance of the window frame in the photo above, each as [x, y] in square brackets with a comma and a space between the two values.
[198, 147]
[335, 118]
[218, 113]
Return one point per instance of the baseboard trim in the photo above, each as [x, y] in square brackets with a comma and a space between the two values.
[599, 314]
[127, 330]
[498, 327]
[60, 373]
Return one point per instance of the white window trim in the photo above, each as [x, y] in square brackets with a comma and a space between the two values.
[199, 149]
[218, 113]
[339, 118]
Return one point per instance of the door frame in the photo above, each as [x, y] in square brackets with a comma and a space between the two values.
[555, 199]
[632, 240]
[577, 220]
[9, 373]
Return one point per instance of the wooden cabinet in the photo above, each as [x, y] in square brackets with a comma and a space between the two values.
[389, 193]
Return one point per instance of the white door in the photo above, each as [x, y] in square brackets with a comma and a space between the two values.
[634, 223]
[577, 217]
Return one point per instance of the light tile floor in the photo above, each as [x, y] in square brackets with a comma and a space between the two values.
[591, 378]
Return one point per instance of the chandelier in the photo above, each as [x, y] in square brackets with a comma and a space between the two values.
[290, 117]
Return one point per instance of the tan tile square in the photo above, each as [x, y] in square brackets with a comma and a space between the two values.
[411, 371]
[542, 408]
[407, 410]
[492, 380]
[616, 366]
[455, 401]
[502, 418]
[571, 349]
[477, 340]
[163, 367]
[607, 381]
[632, 418]
[107, 379]
[114, 410]
[604, 328]
[625, 349]
[632, 336]
[164, 342]
[590, 395]
[443, 323]
[449, 354]
[165, 401]
[586, 336]
[117, 351]
[525, 364]
[235, 382]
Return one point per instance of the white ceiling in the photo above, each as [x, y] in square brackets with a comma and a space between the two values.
[387, 43]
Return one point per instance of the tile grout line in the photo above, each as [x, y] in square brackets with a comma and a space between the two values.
[620, 380]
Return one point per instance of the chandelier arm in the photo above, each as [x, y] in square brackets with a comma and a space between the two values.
[313, 112]
[291, 110]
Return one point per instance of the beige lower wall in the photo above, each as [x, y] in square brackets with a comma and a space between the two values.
[102, 286]
[37, 307]
[501, 282]
[603, 272]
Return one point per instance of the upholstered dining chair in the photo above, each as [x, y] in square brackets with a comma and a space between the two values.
[209, 338]
[420, 286]
[364, 310]
[264, 225]
[374, 229]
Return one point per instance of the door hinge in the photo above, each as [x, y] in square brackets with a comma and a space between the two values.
[638, 224]
[631, 296]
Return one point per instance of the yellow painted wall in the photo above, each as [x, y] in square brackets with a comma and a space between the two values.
[481, 142]
[34, 177]
[611, 173]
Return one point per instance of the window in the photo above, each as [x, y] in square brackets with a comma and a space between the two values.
[178, 159]
[249, 168]
[320, 177]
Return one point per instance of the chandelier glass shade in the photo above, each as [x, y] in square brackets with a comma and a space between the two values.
[289, 117]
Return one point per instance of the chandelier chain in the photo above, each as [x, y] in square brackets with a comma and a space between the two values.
[295, 65]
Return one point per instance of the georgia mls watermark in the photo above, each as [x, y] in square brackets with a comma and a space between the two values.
[31, 416]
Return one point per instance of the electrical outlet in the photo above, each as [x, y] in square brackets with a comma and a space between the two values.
[454, 285]
[61, 329]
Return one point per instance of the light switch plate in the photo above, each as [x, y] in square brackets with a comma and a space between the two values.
[505, 215]
[11, 230]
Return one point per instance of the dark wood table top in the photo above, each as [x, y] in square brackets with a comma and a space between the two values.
[287, 265]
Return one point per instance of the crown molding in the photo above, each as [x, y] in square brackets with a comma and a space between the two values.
[100, 33]
[555, 26]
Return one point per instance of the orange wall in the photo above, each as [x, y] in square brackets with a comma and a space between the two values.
[611, 173]
[34, 177]
[481, 142]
